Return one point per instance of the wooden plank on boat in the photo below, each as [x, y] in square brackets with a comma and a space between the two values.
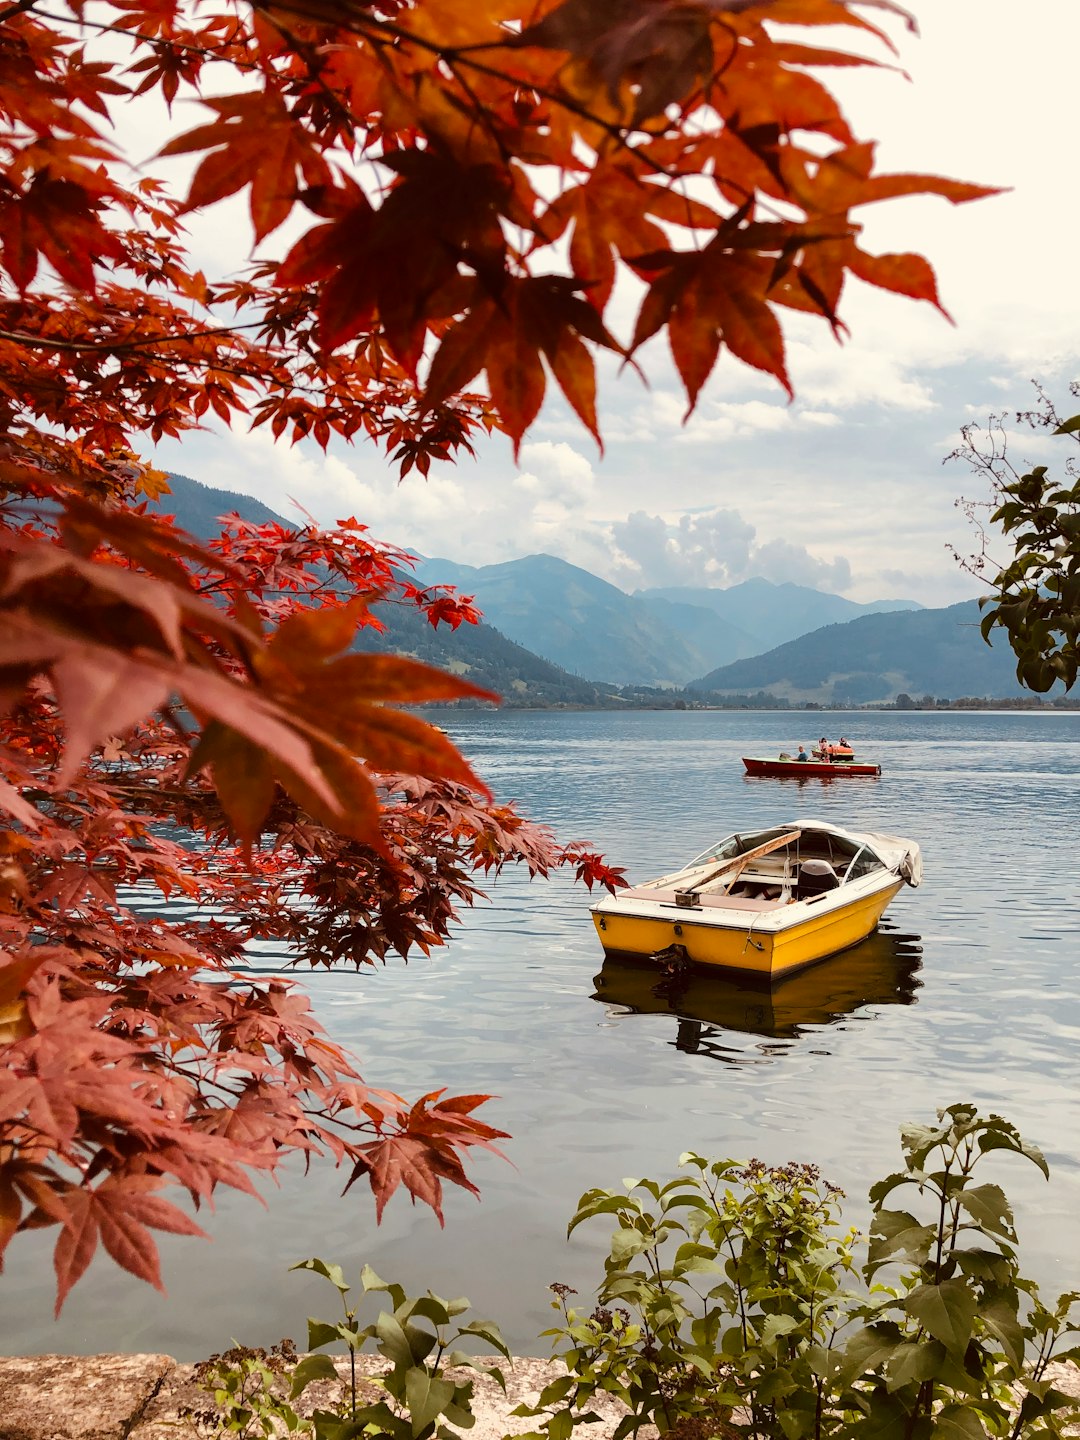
[738, 863]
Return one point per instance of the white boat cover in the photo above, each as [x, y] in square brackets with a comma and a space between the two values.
[902, 857]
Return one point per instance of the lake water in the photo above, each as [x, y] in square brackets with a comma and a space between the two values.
[968, 993]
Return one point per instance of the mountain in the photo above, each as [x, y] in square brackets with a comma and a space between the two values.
[477, 652]
[876, 657]
[704, 631]
[197, 507]
[661, 636]
[767, 615]
[590, 627]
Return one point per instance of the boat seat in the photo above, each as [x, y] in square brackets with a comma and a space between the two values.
[816, 877]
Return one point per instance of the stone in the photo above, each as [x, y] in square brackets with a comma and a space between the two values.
[71, 1397]
[143, 1397]
[525, 1378]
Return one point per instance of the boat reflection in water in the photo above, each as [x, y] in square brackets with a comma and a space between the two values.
[881, 970]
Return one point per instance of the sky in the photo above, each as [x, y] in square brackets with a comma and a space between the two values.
[848, 488]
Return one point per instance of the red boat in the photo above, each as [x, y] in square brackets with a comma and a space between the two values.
[825, 769]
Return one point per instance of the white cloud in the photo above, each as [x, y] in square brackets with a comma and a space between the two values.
[559, 471]
[724, 420]
[715, 549]
[779, 561]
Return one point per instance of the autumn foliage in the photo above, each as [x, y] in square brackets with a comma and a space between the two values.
[464, 181]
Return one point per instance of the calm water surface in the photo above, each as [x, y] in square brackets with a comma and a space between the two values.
[968, 992]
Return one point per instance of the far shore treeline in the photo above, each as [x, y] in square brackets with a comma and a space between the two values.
[630, 698]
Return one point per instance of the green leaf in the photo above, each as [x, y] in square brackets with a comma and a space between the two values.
[897, 1234]
[885, 1187]
[775, 1326]
[380, 1418]
[1002, 1320]
[370, 1281]
[555, 1390]
[885, 1419]
[1069, 427]
[426, 1398]
[1006, 1138]
[489, 1331]
[461, 1415]
[986, 1265]
[917, 1141]
[698, 1265]
[913, 1363]
[320, 1334]
[625, 1244]
[428, 1307]
[312, 1367]
[947, 1311]
[987, 1205]
[596, 1202]
[393, 1342]
[333, 1273]
[561, 1425]
[691, 1198]
[958, 1422]
[731, 1342]
[868, 1349]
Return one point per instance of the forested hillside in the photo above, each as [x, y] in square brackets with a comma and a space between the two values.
[478, 652]
[588, 626]
[877, 657]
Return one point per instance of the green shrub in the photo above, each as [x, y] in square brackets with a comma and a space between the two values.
[419, 1339]
[253, 1390]
[732, 1303]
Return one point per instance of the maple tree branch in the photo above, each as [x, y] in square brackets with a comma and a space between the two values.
[39, 342]
[19, 8]
[448, 54]
[218, 56]
[379, 32]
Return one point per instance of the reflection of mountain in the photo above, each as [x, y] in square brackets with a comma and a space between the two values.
[882, 970]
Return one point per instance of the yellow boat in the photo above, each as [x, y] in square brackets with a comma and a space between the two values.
[767, 903]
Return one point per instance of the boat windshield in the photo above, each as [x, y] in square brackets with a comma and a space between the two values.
[733, 845]
[851, 858]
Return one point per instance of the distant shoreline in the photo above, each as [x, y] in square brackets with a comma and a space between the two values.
[965, 706]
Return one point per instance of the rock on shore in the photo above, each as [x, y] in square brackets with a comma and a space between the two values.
[141, 1397]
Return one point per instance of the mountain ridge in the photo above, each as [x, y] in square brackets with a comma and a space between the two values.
[869, 659]
[657, 637]
[772, 612]
[876, 657]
